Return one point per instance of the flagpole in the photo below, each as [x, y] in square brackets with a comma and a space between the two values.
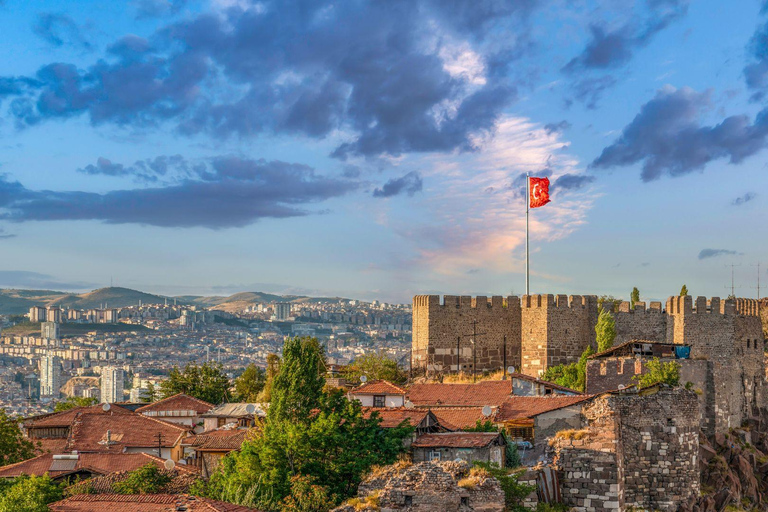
[527, 208]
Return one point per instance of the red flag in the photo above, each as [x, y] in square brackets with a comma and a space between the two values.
[539, 195]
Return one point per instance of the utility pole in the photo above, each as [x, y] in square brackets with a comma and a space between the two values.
[758, 280]
[733, 286]
[159, 438]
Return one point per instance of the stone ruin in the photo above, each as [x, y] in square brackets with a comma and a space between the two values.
[427, 486]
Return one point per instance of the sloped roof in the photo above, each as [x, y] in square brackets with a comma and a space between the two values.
[660, 346]
[456, 440]
[459, 418]
[181, 480]
[236, 410]
[392, 417]
[490, 392]
[89, 432]
[102, 463]
[64, 418]
[378, 387]
[143, 503]
[526, 407]
[178, 402]
[220, 440]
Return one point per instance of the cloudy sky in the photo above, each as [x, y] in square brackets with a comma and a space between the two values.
[377, 149]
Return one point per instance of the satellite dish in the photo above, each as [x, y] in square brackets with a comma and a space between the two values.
[250, 408]
[363, 379]
[487, 410]
[409, 405]
[169, 464]
[510, 369]
[106, 407]
[621, 386]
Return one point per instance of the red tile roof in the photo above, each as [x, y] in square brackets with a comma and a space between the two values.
[177, 402]
[89, 432]
[378, 387]
[392, 417]
[64, 418]
[548, 384]
[457, 440]
[526, 407]
[101, 463]
[491, 392]
[143, 503]
[51, 445]
[219, 440]
[459, 418]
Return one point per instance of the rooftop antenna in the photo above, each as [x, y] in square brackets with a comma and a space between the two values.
[758, 280]
[733, 287]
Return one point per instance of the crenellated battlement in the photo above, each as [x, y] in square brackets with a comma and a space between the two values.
[640, 308]
[686, 305]
[558, 301]
[467, 302]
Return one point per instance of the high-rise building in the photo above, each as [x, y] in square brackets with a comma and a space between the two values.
[50, 376]
[112, 384]
[282, 311]
[49, 330]
[37, 314]
[52, 314]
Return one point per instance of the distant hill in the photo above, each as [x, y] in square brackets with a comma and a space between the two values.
[18, 302]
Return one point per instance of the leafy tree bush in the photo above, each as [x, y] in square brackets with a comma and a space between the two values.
[684, 291]
[318, 436]
[147, 479]
[634, 297]
[572, 375]
[30, 494]
[205, 382]
[605, 330]
[250, 384]
[657, 372]
[14, 447]
[482, 426]
[74, 401]
[375, 367]
[273, 366]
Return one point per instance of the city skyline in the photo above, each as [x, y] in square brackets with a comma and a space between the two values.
[182, 147]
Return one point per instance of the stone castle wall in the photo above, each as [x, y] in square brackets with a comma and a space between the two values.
[639, 323]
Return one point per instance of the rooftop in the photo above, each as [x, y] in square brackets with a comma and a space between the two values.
[178, 402]
[102, 432]
[490, 392]
[392, 417]
[517, 408]
[143, 503]
[457, 440]
[378, 387]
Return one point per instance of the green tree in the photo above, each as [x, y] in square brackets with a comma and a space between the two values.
[375, 367]
[30, 494]
[151, 395]
[205, 382]
[249, 384]
[659, 372]
[608, 299]
[14, 447]
[482, 426]
[605, 330]
[634, 297]
[683, 291]
[317, 435]
[74, 401]
[572, 375]
[147, 479]
[273, 366]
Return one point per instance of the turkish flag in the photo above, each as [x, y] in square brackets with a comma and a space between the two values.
[539, 188]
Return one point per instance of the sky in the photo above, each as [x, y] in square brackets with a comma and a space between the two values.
[377, 149]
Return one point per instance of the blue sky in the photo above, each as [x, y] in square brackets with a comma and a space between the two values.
[375, 149]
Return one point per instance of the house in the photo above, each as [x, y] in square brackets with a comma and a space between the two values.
[180, 408]
[379, 393]
[143, 503]
[532, 421]
[82, 465]
[52, 429]
[243, 414]
[422, 421]
[210, 447]
[466, 446]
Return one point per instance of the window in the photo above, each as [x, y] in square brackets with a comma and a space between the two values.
[378, 400]
[408, 501]
[465, 501]
[748, 344]
[434, 456]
